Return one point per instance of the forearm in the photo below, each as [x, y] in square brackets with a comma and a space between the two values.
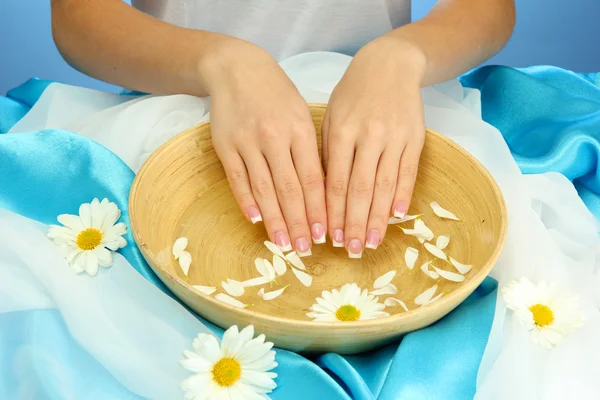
[113, 42]
[457, 35]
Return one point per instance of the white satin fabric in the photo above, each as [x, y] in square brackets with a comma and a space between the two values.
[551, 234]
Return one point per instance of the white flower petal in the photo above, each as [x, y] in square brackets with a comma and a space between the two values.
[85, 213]
[111, 215]
[420, 230]
[91, 263]
[97, 214]
[388, 289]
[208, 290]
[384, 279]
[436, 298]
[265, 268]
[230, 300]
[71, 221]
[428, 272]
[197, 364]
[451, 276]
[295, 260]
[256, 281]
[279, 265]
[435, 251]
[257, 378]
[179, 246]
[271, 295]
[104, 256]
[393, 302]
[462, 268]
[185, 260]
[233, 287]
[230, 341]
[303, 277]
[394, 220]
[442, 242]
[410, 257]
[441, 212]
[273, 248]
[426, 296]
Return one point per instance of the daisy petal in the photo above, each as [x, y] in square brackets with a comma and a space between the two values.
[428, 272]
[71, 221]
[441, 212]
[388, 289]
[233, 287]
[205, 289]
[295, 260]
[384, 279]
[273, 248]
[279, 265]
[85, 213]
[185, 260]
[442, 242]
[256, 281]
[426, 296]
[271, 295]
[230, 300]
[303, 277]
[394, 220]
[435, 251]
[410, 257]
[462, 268]
[393, 302]
[104, 256]
[91, 263]
[451, 276]
[436, 298]
[179, 246]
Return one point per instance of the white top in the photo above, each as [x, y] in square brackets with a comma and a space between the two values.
[287, 27]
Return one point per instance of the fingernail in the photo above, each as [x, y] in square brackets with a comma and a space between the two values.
[254, 214]
[400, 210]
[373, 239]
[355, 248]
[338, 238]
[283, 241]
[302, 247]
[318, 233]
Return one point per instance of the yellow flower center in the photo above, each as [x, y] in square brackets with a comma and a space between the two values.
[347, 313]
[226, 372]
[542, 314]
[89, 239]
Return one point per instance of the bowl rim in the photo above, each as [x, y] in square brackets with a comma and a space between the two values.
[447, 301]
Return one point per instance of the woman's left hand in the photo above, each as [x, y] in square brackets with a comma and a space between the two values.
[373, 133]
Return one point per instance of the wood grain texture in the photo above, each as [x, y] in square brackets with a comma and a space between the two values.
[182, 190]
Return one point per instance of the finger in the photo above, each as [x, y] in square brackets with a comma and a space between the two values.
[383, 195]
[339, 167]
[308, 168]
[407, 175]
[324, 141]
[263, 190]
[239, 182]
[290, 196]
[360, 196]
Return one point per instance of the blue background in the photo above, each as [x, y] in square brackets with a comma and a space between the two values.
[548, 32]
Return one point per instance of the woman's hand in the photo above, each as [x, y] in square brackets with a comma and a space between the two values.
[263, 134]
[373, 133]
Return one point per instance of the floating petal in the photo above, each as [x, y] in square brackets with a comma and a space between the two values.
[462, 268]
[233, 287]
[436, 298]
[273, 248]
[393, 302]
[303, 277]
[451, 276]
[394, 220]
[384, 279]
[279, 265]
[426, 296]
[435, 251]
[185, 260]
[442, 242]
[265, 268]
[205, 289]
[388, 289]
[179, 246]
[271, 295]
[225, 298]
[441, 212]
[428, 272]
[420, 230]
[410, 257]
[256, 281]
[295, 260]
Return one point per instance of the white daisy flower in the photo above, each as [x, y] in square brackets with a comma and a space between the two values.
[548, 314]
[237, 369]
[86, 240]
[350, 303]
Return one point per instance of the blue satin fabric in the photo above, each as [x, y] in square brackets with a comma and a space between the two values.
[43, 174]
[550, 119]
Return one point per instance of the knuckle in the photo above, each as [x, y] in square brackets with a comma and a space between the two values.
[361, 190]
[246, 198]
[296, 225]
[385, 185]
[288, 190]
[276, 222]
[338, 188]
[263, 188]
[409, 170]
[237, 175]
[378, 219]
[404, 191]
[354, 226]
[312, 182]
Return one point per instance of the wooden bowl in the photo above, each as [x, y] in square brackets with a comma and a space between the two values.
[181, 190]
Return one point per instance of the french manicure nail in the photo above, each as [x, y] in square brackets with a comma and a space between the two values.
[338, 238]
[318, 233]
[355, 248]
[373, 239]
[254, 214]
[400, 210]
[302, 247]
[283, 241]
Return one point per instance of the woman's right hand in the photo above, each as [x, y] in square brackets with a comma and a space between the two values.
[263, 134]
